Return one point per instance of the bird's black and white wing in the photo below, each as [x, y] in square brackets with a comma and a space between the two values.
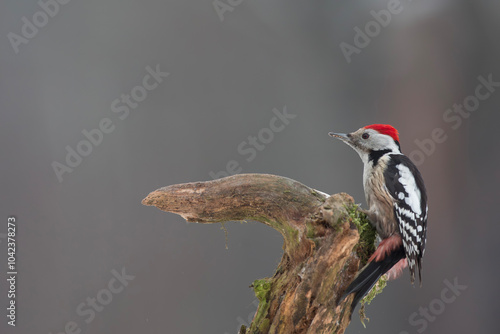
[405, 184]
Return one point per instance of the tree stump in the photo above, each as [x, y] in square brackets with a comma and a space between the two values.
[322, 245]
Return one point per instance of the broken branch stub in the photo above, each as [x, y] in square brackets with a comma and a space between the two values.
[279, 202]
[320, 239]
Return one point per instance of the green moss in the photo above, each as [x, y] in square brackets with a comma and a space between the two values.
[310, 232]
[264, 326]
[262, 288]
[367, 233]
[377, 289]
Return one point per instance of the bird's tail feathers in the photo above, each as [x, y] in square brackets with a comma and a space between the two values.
[370, 274]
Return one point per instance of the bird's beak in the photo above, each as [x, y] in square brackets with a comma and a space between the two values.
[341, 136]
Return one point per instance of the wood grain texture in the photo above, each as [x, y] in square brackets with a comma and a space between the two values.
[321, 248]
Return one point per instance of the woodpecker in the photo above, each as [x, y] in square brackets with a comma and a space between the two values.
[397, 206]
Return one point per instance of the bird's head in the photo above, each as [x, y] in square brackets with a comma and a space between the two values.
[371, 138]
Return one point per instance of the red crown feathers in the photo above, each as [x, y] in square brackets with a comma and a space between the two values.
[385, 129]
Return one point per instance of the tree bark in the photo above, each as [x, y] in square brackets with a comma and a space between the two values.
[322, 248]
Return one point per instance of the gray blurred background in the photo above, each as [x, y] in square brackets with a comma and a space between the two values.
[230, 63]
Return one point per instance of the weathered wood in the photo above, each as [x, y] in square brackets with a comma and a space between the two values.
[321, 249]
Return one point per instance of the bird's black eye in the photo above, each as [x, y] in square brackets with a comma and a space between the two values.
[365, 135]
